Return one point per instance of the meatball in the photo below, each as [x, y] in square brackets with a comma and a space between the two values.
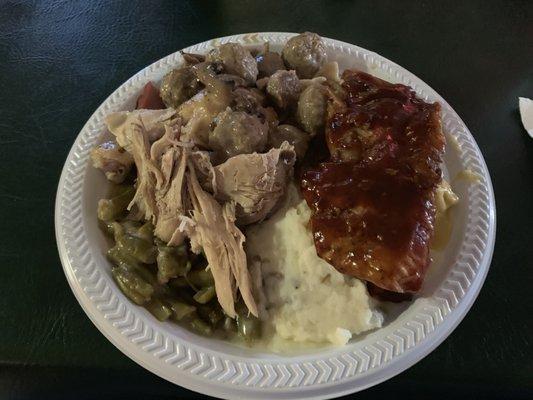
[284, 88]
[237, 132]
[291, 134]
[311, 110]
[249, 100]
[178, 86]
[305, 53]
[236, 61]
[268, 62]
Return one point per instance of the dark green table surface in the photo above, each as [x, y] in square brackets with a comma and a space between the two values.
[59, 60]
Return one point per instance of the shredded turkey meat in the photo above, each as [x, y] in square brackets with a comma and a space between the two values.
[255, 182]
[222, 242]
[114, 161]
[153, 122]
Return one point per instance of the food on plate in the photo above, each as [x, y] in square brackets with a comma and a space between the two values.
[263, 196]
[373, 202]
[236, 60]
[268, 62]
[304, 299]
[305, 53]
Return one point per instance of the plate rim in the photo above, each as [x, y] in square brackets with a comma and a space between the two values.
[321, 390]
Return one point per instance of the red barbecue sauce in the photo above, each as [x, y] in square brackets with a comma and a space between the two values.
[373, 200]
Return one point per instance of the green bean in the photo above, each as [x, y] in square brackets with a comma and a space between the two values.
[138, 248]
[180, 309]
[145, 232]
[248, 326]
[118, 256]
[204, 295]
[106, 227]
[211, 313]
[132, 285]
[111, 209]
[200, 326]
[178, 283]
[158, 309]
[201, 278]
[172, 262]
[229, 325]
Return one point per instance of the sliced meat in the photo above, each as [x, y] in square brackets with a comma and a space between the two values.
[255, 182]
[248, 100]
[113, 160]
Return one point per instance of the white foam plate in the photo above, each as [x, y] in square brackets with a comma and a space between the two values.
[221, 369]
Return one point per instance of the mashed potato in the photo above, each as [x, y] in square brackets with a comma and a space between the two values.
[301, 297]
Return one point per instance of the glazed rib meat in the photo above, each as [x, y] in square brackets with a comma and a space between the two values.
[373, 200]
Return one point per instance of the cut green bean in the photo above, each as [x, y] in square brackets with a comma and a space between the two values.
[117, 256]
[211, 313]
[172, 262]
[201, 278]
[146, 232]
[229, 325]
[132, 285]
[200, 326]
[159, 310]
[249, 327]
[138, 248]
[204, 295]
[106, 227]
[180, 309]
[113, 208]
[178, 283]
